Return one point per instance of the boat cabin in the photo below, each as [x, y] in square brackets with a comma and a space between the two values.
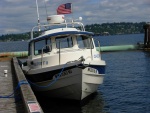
[56, 44]
[52, 43]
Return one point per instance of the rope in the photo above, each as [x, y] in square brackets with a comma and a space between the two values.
[51, 83]
[56, 78]
[26, 82]
[29, 82]
[18, 86]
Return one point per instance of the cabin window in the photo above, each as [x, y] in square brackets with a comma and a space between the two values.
[64, 42]
[84, 42]
[42, 46]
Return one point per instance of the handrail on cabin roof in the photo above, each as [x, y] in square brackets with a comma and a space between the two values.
[57, 24]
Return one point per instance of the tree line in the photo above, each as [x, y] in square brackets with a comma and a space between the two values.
[97, 29]
[116, 28]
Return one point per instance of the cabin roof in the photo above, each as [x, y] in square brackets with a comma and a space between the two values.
[46, 35]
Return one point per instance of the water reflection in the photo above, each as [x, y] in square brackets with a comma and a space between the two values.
[147, 62]
[147, 54]
[93, 104]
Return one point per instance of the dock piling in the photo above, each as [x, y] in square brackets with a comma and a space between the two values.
[147, 36]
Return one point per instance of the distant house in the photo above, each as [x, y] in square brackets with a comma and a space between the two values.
[106, 33]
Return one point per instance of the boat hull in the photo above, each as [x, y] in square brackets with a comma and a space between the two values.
[75, 83]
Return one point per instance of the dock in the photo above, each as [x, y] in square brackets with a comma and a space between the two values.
[23, 99]
[8, 105]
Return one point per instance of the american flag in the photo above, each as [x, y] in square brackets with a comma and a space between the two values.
[64, 8]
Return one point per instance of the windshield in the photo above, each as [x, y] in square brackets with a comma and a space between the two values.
[64, 42]
[42, 46]
[60, 42]
[84, 42]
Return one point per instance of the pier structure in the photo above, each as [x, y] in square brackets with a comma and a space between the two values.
[16, 95]
[8, 105]
[147, 36]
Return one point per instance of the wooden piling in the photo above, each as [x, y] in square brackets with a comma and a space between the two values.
[147, 36]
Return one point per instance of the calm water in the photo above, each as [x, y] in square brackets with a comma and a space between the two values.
[126, 87]
[13, 46]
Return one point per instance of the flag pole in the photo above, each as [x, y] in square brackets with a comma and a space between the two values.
[72, 10]
[72, 14]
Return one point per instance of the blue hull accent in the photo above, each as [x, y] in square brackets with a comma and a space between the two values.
[101, 69]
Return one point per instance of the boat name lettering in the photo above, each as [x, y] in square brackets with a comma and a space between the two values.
[64, 73]
[39, 63]
[92, 70]
[97, 56]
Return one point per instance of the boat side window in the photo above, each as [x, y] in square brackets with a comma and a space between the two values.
[42, 46]
[64, 42]
[84, 42]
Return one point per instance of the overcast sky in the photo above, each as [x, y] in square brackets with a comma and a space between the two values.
[17, 16]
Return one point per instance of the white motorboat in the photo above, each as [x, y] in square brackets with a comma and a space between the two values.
[63, 61]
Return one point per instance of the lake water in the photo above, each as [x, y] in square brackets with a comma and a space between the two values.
[126, 87]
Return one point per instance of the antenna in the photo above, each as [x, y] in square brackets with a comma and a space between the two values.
[46, 8]
[38, 15]
[72, 10]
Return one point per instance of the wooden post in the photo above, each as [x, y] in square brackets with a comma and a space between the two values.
[147, 35]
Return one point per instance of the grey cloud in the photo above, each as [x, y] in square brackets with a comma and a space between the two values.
[20, 15]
